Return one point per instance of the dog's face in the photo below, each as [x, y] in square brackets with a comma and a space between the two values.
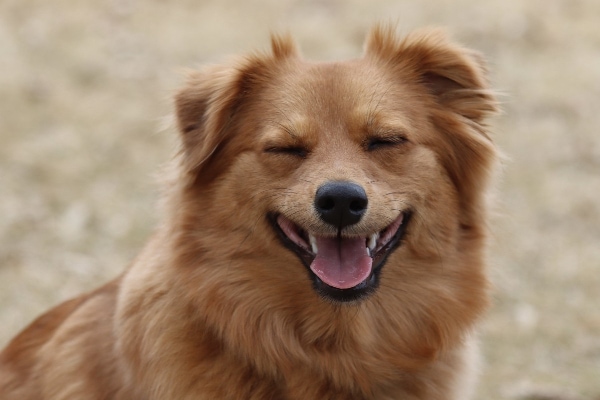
[342, 146]
[329, 171]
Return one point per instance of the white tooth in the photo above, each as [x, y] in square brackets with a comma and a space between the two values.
[373, 241]
[313, 243]
[368, 252]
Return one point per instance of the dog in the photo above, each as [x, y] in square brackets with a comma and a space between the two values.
[324, 237]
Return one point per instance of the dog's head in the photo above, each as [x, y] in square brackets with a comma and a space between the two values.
[342, 167]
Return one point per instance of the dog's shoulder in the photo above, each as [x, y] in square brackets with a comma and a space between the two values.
[37, 343]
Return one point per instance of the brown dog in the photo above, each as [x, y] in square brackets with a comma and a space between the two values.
[323, 239]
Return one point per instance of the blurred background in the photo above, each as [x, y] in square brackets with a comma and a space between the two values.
[85, 89]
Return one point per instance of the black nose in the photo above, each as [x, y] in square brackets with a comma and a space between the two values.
[341, 203]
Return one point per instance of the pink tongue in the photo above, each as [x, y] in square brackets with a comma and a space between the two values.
[342, 263]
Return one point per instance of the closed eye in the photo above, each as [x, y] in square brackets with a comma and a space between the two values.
[296, 151]
[378, 142]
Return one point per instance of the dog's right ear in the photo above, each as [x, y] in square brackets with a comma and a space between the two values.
[206, 107]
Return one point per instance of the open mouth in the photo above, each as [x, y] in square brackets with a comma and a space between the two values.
[343, 268]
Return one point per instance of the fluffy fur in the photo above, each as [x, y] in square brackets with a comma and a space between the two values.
[217, 307]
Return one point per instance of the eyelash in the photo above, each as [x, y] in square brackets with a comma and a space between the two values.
[375, 143]
[296, 151]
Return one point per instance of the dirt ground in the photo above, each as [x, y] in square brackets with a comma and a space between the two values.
[85, 91]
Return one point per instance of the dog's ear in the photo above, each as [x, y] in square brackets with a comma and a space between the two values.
[456, 78]
[206, 107]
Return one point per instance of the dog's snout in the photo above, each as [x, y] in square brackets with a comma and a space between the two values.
[341, 203]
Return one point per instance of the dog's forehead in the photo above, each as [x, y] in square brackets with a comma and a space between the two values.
[338, 94]
[343, 85]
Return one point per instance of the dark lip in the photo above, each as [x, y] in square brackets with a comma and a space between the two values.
[358, 292]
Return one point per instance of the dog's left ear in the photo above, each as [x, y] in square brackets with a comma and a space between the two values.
[456, 76]
[206, 107]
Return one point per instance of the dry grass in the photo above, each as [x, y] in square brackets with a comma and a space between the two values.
[85, 85]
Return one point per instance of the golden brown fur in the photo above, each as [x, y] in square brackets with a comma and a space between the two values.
[216, 307]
